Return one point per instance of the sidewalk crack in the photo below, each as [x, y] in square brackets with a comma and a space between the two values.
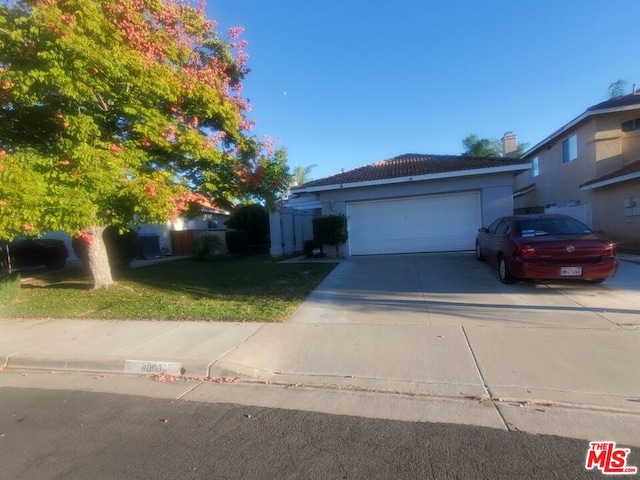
[484, 382]
[233, 348]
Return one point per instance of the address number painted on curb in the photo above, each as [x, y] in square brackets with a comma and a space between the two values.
[146, 367]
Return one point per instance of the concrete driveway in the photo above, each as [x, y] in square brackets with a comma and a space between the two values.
[442, 325]
[455, 289]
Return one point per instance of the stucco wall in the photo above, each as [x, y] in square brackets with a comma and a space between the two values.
[619, 223]
[602, 149]
[495, 194]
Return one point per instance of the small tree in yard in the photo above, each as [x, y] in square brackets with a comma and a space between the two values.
[118, 110]
[330, 230]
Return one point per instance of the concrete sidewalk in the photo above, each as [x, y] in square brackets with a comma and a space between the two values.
[387, 338]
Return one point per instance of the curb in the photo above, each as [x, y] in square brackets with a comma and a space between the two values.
[113, 365]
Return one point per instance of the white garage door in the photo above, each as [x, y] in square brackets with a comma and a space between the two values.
[419, 224]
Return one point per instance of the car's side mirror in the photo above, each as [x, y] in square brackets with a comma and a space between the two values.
[482, 230]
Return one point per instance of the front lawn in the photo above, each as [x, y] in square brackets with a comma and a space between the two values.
[253, 289]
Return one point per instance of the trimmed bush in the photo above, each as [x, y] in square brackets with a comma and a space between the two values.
[330, 230]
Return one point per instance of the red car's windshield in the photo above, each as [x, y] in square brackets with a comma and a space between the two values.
[552, 226]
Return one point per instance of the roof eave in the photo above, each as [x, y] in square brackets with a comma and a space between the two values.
[524, 191]
[417, 178]
[610, 181]
[576, 121]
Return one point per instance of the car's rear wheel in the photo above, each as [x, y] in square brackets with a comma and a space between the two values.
[503, 271]
[479, 256]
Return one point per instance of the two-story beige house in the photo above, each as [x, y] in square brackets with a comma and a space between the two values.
[590, 169]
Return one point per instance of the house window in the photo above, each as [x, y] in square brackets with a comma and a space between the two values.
[570, 149]
[631, 125]
[535, 167]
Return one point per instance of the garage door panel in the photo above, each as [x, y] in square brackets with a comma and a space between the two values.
[421, 224]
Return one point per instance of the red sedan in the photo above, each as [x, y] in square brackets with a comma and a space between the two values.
[542, 247]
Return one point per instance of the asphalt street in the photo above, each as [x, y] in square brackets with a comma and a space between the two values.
[56, 434]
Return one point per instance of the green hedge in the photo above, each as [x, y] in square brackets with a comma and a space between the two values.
[330, 230]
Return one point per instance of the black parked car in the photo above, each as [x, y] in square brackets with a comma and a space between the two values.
[32, 252]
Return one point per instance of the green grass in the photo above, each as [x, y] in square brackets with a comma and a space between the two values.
[253, 289]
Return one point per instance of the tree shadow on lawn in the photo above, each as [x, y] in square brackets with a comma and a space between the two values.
[237, 276]
[71, 279]
[58, 286]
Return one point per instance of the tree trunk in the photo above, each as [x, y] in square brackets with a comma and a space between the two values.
[98, 259]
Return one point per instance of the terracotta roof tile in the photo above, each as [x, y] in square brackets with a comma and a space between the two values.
[624, 101]
[410, 165]
[629, 168]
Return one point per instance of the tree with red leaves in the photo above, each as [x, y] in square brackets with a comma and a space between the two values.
[118, 110]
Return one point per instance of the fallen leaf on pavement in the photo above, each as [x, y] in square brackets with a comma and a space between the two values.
[478, 398]
[164, 420]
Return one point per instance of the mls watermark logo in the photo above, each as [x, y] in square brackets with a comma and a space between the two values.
[609, 459]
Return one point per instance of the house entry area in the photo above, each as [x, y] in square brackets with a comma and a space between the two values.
[438, 223]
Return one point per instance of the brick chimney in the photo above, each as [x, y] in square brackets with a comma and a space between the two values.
[510, 145]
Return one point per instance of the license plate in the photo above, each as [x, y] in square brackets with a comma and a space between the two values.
[571, 271]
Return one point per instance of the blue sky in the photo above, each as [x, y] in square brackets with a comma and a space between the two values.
[345, 83]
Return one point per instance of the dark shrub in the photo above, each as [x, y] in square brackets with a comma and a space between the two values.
[237, 242]
[250, 234]
[253, 219]
[208, 246]
[330, 230]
